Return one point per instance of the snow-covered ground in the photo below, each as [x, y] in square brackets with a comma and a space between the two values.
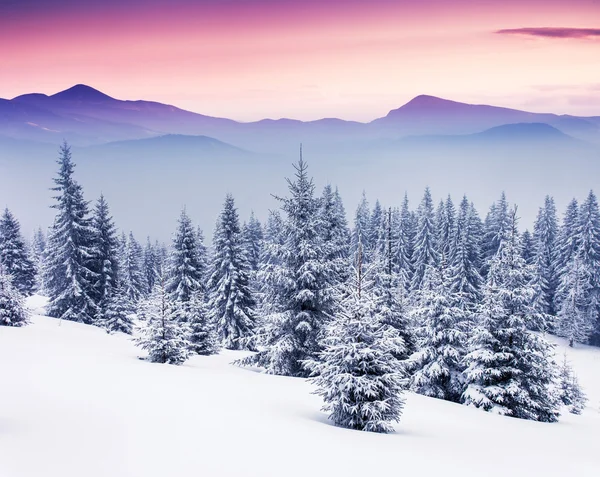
[77, 402]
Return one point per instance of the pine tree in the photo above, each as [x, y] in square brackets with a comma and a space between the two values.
[567, 240]
[185, 270]
[12, 308]
[253, 241]
[105, 259]
[509, 369]
[357, 373]
[588, 237]
[441, 338]
[528, 247]
[131, 262]
[118, 311]
[362, 223]
[495, 227]
[163, 336]
[402, 227]
[570, 392]
[14, 254]
[445, 225]
[335, 234]
[544, 236]
[150, 266]
[230, 299]
[464, 278]
[425, 253]
[38, 249]
[203, 338]
[375, 231]
[68, 267]
[574, 321]
[301, 303]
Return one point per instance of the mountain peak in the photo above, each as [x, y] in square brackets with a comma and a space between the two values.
[81, 92]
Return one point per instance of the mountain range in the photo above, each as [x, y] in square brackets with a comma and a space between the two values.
[152, 159]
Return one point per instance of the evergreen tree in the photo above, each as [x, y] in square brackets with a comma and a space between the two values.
[425, 253]
[445, 225]
[150, 267]
[544, 237]
[335, 234]
[105, 260]
[357, 373]
[163, 336]
[231, 302]
[12, 308]
[271, 263]
[203, 338]
[495, 227]
[464, 278]
[362, 224]
[375, 231]
[131, 268]
[38, 249]
[574, 321]
[68, 274]
[588, 236]
[570, 391]
[529, 252]
[253, 240]
[185, 269]
[567, 240]
[437, 365]
[14, 254]
[302, 301]
[509, 368]
[118, 311]
[402, 226]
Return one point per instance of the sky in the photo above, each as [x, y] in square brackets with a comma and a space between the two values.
[353, 59]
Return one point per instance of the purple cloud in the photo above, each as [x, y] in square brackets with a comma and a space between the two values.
[554, 32]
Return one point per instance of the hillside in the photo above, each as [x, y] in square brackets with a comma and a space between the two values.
[77, 402]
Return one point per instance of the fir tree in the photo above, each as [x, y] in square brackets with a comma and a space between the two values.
[14, 254]
[570, 392]
[544, 237]
[185, 269]
[335, 234]
[495, 227]
[38, 248]
[567, 240]
[150, 266]
[509, 369]
[118, 311]
[68, 268]
[131, 268]
[437, 365]
[105, 260]
[302, 301]
[362, 223]
[528, 247]
[230, 299]
[402, 226]
[375, 231]
[12, 308]
[357, 373]
[425, 253]
[163, 336]
[203, 338]
[253, 241]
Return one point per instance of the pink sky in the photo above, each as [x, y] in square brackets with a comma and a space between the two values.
[248, 59]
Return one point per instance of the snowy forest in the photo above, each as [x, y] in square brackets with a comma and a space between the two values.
[433, 298]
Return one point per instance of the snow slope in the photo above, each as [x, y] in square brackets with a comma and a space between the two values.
[77, 402]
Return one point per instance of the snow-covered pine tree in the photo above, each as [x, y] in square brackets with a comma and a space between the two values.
[389, 288]
[574, 321]
[445, 224]
[105, 259]
[253, 241]
[131, 269]
[437, 364]
[570, 392]
[68, 263]
[567, 240]
[495, 227]
[38, 248]
[185, 272]
[375, 231]
[203, 337]
[162, 335]
[528, 247]
[588, 233]
[463, 271]
[301, 303]
[544, 236]
[425, 253]
[509, 369]
[150, 266]
[362, 223]
[402, 226]
[231, 302]
[357, 373]
[14, 254]
[335, 234]
[118, 311]
[12, 308]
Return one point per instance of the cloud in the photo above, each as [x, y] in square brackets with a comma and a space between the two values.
[554, 32]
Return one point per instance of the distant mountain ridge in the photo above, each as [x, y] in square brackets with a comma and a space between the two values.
[85, 116]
